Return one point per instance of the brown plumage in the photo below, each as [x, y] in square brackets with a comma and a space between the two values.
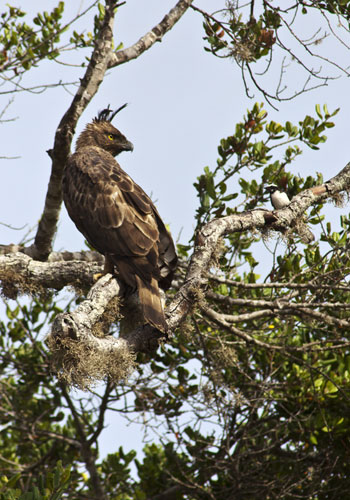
[117, 217]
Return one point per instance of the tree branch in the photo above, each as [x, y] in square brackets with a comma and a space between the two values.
[86, 450]
[276, 284]
[21, 274]
[171, 493]
[64, 134]
[275, 303]
[102, 58]
[155, 35]
[85, 328]
[209, 236]
[102, 412]
[86, 256]
[83, 350]
[250, 339]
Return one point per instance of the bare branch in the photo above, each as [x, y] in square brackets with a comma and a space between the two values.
[277, 284]
[88, 87]
[275, 302]
[248, 337]
[239, 318]
[102, 58]
[38, 89]
[282, 307]
[320, 316]
[21, 274]
[102, 412]
[154, 35]
[86, 256]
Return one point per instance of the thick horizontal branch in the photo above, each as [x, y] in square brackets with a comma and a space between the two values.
[154, 35]
[22, 273]
[86, 256]
[209, 237]
[19, 273]
[82, 348]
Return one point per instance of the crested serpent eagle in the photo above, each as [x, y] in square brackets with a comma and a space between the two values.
[117, 217]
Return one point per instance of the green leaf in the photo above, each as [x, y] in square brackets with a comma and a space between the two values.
[13, 480]
[313, 439]
[209, 181]
[101, 9]
[229, 197]
[330, 388]
[318, 111]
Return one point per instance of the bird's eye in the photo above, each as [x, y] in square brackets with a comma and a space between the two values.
[111, 137]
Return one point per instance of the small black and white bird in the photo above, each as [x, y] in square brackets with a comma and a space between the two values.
[279, 199]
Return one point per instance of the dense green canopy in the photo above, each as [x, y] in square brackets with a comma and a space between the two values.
[249, 398]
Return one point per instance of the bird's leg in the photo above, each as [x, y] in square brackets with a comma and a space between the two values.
[108, 268]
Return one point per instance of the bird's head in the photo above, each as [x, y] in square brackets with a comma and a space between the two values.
[101, 133]
[271, 188]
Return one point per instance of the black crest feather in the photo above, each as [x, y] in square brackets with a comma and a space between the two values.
[107, 114]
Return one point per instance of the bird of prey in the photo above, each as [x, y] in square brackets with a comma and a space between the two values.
[279, 199]
[117, 217]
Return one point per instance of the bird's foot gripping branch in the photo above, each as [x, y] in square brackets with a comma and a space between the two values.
[82, 350]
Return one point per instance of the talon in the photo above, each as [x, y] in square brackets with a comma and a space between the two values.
[97, 276]
[108, 268]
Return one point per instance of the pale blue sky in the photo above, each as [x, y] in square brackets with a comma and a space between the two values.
[182, 102]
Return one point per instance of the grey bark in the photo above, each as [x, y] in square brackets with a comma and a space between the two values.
[101, 59]
[79, 324]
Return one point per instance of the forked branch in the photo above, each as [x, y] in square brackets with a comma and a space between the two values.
[80, 323]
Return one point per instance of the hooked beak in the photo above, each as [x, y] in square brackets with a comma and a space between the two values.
[128, 146]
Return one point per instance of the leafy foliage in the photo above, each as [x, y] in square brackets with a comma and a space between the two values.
[250, 397]
[23, 46]
[257, 35]
[247, 150]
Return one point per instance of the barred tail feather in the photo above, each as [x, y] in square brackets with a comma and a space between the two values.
[151, 304]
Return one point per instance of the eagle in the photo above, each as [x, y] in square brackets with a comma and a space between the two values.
[117, 217]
